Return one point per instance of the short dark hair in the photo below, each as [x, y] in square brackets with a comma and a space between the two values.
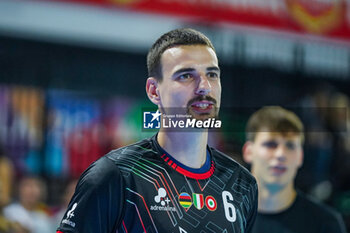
[177, 37]
[274, 119]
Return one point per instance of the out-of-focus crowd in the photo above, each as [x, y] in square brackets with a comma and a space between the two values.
[27, 212]
[326, 170]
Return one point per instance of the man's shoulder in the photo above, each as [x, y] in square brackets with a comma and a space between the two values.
[224, 161]
[99, 172]
[317, 208]
[137, 149]
[105, 168]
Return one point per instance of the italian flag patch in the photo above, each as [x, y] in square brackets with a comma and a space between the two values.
[198, 200]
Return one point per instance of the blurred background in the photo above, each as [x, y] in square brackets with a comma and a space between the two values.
[72, 86]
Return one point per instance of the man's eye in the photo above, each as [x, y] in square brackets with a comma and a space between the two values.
[291, 145]
[270, 145]
[185, 77]
[212, 75]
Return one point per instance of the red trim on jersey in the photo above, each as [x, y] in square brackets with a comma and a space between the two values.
[59, 232]
[198, 176]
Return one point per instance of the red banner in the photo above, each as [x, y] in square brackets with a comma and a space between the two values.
[317, 17]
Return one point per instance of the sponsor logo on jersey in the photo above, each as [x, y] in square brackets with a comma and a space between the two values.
[185, 200]
[70, 214]
[210, 202]
[151, 120]
[198, 200]
[162, 199]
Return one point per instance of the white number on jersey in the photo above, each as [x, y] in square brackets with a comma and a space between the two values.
[230, 210]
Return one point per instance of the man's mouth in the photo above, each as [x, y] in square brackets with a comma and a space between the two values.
[202, 106]
[278, 170]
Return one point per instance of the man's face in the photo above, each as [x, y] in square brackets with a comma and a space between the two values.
[191, 81]
[274, 158]
[30, 192]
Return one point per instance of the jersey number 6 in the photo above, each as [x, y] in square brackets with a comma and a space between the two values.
[230, 210]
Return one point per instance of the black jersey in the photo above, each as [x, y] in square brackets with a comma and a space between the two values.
[141, 188]
[304, 216]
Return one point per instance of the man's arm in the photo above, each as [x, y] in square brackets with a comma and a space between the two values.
[97, 204]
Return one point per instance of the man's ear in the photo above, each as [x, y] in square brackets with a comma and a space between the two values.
[152, 90]
[248, 152]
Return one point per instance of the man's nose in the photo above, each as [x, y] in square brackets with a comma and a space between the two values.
[280, 153]
[204, 86]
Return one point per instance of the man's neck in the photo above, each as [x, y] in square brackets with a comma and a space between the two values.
[272, 201]
[189, 148]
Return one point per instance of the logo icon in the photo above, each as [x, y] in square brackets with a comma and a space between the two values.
[198, 200]
[210, 202]
[151, 120]
[160, 198]
[70, 213]
[185, 200]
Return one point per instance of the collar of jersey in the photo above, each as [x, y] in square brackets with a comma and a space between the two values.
[196, 173]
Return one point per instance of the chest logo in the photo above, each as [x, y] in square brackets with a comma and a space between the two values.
[162, 199]
[198, 201]
[210, 202]
[185, 200]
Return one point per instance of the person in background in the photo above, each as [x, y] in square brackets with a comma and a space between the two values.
[27, 212]
[6, 177]
[6, 174]
[274, 150]
[8, 226]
